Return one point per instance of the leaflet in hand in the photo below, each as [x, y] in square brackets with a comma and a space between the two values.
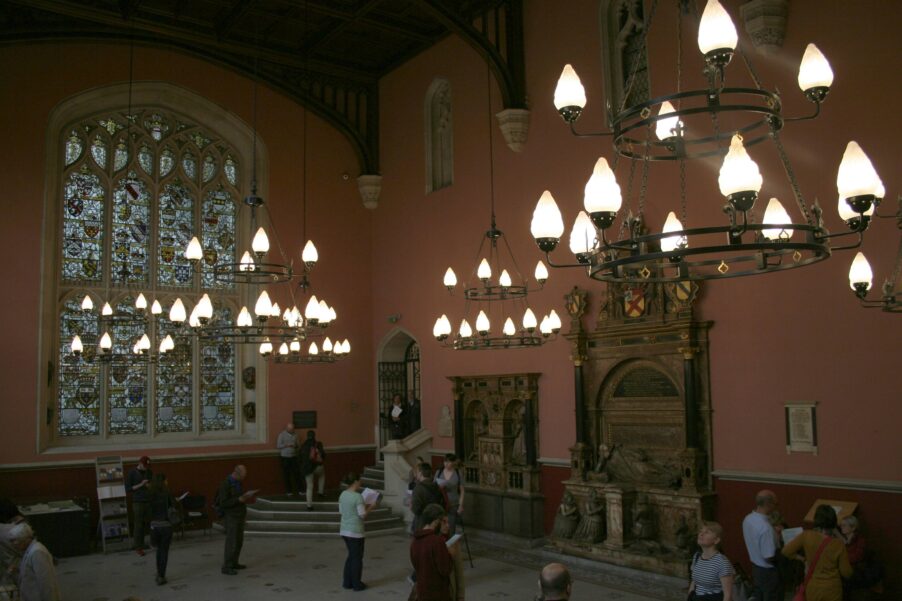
[453, 540]
[371, 496]
[790, 533]
[396, 411]
[186, 493]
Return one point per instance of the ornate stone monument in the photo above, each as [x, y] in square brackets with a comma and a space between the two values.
[642, 455]
[498, 445]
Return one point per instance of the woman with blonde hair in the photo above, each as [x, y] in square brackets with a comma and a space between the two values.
[712, 572]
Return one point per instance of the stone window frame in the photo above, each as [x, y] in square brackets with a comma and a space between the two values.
[240, 137]
[612, 52]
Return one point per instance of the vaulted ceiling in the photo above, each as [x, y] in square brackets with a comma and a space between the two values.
[326, 54]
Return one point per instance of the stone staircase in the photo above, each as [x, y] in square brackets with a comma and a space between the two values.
[282, 515]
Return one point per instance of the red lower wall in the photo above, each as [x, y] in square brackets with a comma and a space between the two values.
[553, 477]
[199, 475]
[877, 511]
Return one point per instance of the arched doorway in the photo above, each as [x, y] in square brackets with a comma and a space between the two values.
[398, 372]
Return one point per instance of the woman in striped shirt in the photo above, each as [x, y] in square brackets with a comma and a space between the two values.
[712, 573]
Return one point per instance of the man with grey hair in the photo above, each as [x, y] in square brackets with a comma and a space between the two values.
[555, 582]
[37, 577]
[287, 443]
[762, 545]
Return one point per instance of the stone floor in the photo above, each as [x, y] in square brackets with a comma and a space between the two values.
[303, 568]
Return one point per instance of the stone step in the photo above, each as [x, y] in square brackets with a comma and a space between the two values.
[373, 483]
[374, 471]
[301, 526]
[372, 530]
[306, 515]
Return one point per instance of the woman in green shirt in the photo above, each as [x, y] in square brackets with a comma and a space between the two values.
[353, 512]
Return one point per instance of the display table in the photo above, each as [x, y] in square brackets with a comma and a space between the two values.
[62, 526]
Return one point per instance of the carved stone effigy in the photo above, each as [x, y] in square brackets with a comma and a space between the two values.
[644, 451]
[499, 450]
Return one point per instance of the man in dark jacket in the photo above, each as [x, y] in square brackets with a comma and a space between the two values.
[313, 457]
[233, 504]
[425, 492]
[431, 558]
[136, 483]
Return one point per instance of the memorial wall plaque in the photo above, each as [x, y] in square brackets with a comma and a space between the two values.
[645, 382]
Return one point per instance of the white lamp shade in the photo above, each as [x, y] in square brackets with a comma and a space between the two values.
[156, 308]
[244, 318]
[582, 236]
[716, 29]
[283, 349]
[450, 279]
[204, 307]
[546, 219]
[347, 346]
[739, 173]
[484, 271]
[672, 224]
[860, 272]
[313, 349]
[332, 314]
[107, 309]
[505, 279]
[602, 191]
[263, 307]
[569, 90]
[665, 126]
[193, 320]
[177, 311]
[541, 272]
[438, 328]
[141, 302]
[309, 254]
[144, 342]
[482, 322]
[194, 252]
[857, 176]
[815, 71]
[167, 344]
[529, 319]
[275, 311]
[311, 311]
[465, 330]
[260, 243]
[509, 328]
[266, 347]
[106, 341]
[327, 345]
[246, 263]
[325, 313]
[775, 214]
[87, 304]
[295, 346]
[554, 320]
[77, 346]
[545, 326]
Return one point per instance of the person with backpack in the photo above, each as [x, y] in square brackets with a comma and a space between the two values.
[313, 457]
[712, 572]
[449, 481]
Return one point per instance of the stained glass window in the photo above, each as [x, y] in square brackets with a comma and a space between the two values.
[135, 189]
[219, 226]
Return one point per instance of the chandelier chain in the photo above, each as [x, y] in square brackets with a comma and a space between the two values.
[488, 87]
[683, 216]
[790, 173]
[629, 194]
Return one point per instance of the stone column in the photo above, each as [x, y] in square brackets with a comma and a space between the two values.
[529, 430]
[580, 453]
[617, 503]
[691, 393]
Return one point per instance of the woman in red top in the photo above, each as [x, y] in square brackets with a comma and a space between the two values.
[430, 556]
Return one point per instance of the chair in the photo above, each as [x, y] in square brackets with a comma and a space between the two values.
[194, 509]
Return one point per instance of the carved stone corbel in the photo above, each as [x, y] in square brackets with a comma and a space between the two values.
[765, 22]
[514, 124]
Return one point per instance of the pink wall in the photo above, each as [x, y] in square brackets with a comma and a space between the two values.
[37, 77]
[787, 337]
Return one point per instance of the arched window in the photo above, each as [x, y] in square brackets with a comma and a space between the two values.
[128, 191]
[439, 138]
[624, 53]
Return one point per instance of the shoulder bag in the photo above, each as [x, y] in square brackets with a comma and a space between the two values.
[800, 592]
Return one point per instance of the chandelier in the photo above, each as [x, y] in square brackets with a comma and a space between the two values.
[715, 121]
[861, 277]
[268, 326]
[500, 296]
